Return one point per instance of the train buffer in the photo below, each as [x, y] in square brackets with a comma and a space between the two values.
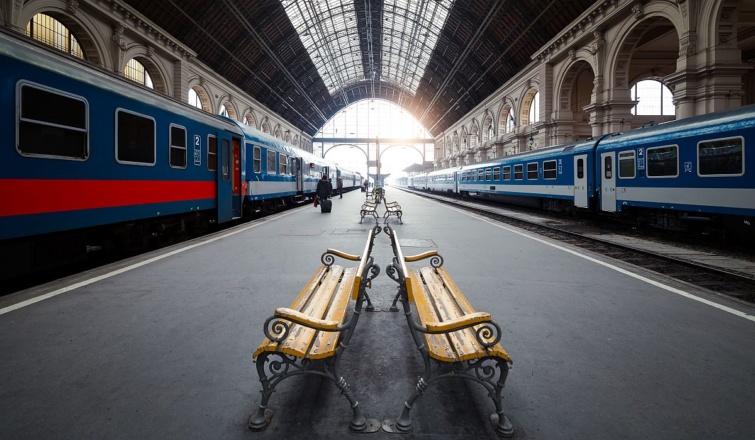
[448, 332]
[392, 208]
[310, 336]
[368, 208]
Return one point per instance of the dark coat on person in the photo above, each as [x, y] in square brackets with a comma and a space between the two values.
[324, 189]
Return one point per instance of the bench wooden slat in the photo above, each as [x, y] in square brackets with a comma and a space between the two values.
[438, 345]
[325, 283]
[326, 342]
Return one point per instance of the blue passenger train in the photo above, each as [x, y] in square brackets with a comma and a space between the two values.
[689, 174]
[89, 159]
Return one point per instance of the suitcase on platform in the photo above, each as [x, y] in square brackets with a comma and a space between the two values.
[326, 205]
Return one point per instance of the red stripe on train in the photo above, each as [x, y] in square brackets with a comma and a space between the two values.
[36, 196]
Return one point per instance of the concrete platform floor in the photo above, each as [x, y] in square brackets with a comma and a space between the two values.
[160, 347]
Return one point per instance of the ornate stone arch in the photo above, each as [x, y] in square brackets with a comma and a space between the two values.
[464, 139]
[230, 107]
[265, 125]
[146, 56]
[508, 106]
[488, 127]
[204, 95]
[524, 110]
[249, 118]
[287, 136]
[455, 142]
[474, 134]
[278, 133]
[629, 34]
[80, 25]
[296, 140]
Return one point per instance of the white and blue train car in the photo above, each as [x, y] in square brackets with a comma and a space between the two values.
[682, 173]
[443, 180]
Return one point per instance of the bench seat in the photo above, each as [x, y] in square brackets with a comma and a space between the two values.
[310, 336]
[369, 208]
[449, 333]
[392, 208]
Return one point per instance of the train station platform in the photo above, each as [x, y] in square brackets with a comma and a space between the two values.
[160, 346]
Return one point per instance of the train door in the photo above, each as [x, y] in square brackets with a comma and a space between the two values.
[225, 189]
[580, 181]
[236, 178]
[456, 182]
[298, 174]
[607, 182]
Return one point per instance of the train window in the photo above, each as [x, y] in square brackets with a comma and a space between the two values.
[177, 147]
[496, 174]
[507, 172]
[257, 159]
[51, 123]
[283, 169]
[134, 138]
[663, 161]
[488, 174]
[226, 158]
[480, 175]
[580, 168]
[721, 157]
[519, 172]
[212, 153]
[271, 165]
[532, 171]
[550, 170]
[608, 167]
[626, 165]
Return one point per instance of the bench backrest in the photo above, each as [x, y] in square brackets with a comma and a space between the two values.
[363, 263]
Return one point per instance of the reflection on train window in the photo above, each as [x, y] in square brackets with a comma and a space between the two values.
[626, 165]
[507, 172]
[480, 175]
[608, 167]
[519, 172]
[134, 138]
[177, 147]
[212, 153]
[722, 157]
[488, 174]
[283, 165]
[271, 165]
[532, 171]
[257, 159]
[550, 170]
[663, 161]
[497, 174]
[580, 168]
[52, 124]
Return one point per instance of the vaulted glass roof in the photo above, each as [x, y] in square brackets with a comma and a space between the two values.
[343, 53]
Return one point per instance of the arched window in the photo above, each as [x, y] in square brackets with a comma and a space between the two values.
[224, 111]
[249, 120]
[535, 109]
[510, 121]
[194, 99]
[654, 99]
[135, 71]
[52, 32]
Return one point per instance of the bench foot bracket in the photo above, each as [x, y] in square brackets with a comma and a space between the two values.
[505, 429]
[370, 426]
[260, 420]
[391, 426]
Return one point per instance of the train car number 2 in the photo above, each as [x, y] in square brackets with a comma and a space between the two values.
[197, 150]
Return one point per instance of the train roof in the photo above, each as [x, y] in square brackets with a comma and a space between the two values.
[724, 121]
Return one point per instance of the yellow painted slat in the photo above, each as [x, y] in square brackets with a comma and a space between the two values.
[300, 301]
[325, 343]
[462, 341]
[437, 344]
[324, 282]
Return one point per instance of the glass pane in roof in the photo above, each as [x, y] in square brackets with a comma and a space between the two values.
[328, 30]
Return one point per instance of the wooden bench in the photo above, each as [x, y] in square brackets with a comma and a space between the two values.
[310, 336]
[392, 208]
[369, 208]
[449, 334]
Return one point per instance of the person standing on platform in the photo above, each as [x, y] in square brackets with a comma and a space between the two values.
[340, 188]
[323, 190]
